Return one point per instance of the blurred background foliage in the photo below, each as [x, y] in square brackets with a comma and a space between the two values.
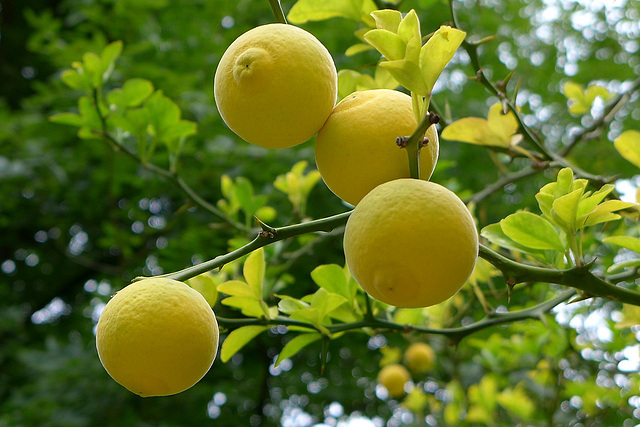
[79, 220]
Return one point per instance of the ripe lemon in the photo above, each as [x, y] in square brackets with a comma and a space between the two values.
[157, 337]
[393, 378]
[419, 357]
[275, 86]
[356, 148]
[411, 243]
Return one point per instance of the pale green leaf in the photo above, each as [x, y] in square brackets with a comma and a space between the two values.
[516, 401]
[383, 79]
[253, 271]
[587, 204]
[71, 119]
[565, 209]
[206, 285]
[319, 10]
[74, 80]
[532, 231]
[296, 344]
[162, 112]
[238, 339]
[133, 92]
[572, 90]
[332, 278]
[628, 145]
[389, 44]
[93, 67]
[249, 306]
[357, 48]
[387, 19]
[503, 126]
[409, 26]
[564, 182]
[407, 74]
[108, 58]
[290, 305]
[437, 52]
[628, 242]
[633, 263]
[472, 130]
[325, 302]
[604, 211]
[237, 288]
[494, 234]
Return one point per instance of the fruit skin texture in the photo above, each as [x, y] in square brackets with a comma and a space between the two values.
[419, 358]
[276, 85]
[393, 378]
[356, 148]
[157, 337]
[411, 243]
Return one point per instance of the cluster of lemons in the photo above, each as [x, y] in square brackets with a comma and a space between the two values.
[408, 243]
[419, 358]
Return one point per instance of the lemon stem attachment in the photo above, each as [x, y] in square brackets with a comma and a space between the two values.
[277, 11]
[416, 141]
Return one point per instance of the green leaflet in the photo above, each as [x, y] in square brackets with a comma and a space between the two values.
[206, 285]
[532, 231]
[628, 242]
[296, 344]
[580, 100]
[437, 52]
[319, 10]
[238, 339]
[628, 145]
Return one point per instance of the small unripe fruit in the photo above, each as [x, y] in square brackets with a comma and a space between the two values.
[393, 378]
[419, 358]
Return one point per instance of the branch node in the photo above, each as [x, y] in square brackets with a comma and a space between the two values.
[425, 142]
[433, 118]
[402, 141]
[267, 230]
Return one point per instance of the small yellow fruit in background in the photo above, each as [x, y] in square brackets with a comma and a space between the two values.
[393, 378]
[419, 358]
[157, 337]
[276, 85]
[356, 149]
[411, 243]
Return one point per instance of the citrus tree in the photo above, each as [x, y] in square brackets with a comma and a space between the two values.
[465, 253]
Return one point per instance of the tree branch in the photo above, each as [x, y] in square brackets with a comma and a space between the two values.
[278, 13]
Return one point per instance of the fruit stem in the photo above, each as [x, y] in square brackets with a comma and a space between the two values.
[416, 141]
[277, 11]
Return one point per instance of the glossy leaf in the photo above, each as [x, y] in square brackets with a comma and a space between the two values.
[237, 339]
[295, 345]
[318, 10]
[437, 52]
[628, 242]
[532, 231]
[387, 19]
[628, 145]
[407, 74]
[389, 44]
[253, 271]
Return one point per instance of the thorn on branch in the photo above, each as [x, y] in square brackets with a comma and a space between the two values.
[402, 141]
[425, 142]
[267, 230]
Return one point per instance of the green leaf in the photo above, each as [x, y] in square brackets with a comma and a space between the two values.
[407, 74]
[253, 271]
[628, 145]
[516, 401]
[389, 44]
[132, 93]
[472, 130]
[332, 278]
[532, 231]
[387, 19]
[357, 48]
[437, 52]
[249, 306]
[295, 345]
[108, 58]
[325, 302]
[74, 80]
[162, 112]
[580, 101]
[603, 212]
[633, 263]
[319, 10]
[409, 26]
[71, 119]
[565, 209]
[502, 126]
[93, 67]
[238, 339]
[206, 285]
[628, 242]
[237, 288]
[588, 204]
[564, 182]
[494, 234]
[290, 305]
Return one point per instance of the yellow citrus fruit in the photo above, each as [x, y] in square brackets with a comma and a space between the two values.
[157, 337]
[393, 378]
[356, 148]
[275, 86]
[419, 358]
[411, 243]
